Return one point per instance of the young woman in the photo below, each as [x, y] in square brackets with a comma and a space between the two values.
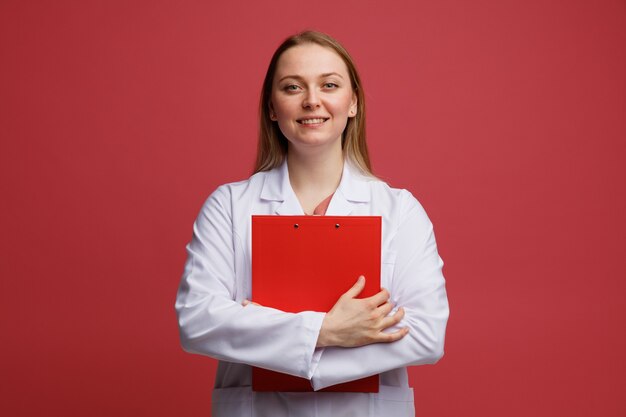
[312, 159]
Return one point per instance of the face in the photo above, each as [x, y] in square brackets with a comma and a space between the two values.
[312, 97]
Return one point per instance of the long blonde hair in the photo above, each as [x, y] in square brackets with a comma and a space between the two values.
[272, 145]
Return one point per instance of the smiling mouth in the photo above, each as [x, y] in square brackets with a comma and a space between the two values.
[312, 121]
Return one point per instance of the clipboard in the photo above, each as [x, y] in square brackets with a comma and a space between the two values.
[305, 263]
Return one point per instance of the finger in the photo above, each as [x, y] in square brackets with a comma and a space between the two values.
[248, 302]
[379, 298]
[394, 336]
[392, 320]
[385, 309]
[356, 288]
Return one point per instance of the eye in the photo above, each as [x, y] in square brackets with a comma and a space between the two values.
[330, 85]
[291, 87]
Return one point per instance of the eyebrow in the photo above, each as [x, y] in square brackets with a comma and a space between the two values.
[297, 77]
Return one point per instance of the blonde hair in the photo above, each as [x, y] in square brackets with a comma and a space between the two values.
[272, 145]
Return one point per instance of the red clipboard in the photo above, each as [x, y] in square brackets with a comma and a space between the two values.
[304, 263]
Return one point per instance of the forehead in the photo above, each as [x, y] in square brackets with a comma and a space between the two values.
[310, 60]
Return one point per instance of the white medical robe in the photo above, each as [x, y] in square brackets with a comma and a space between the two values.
[217, 278]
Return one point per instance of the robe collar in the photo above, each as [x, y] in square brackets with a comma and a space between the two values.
[353, 189]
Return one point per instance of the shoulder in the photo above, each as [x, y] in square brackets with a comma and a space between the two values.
[404, 217]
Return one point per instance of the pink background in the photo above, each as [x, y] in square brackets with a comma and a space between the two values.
[505, 118]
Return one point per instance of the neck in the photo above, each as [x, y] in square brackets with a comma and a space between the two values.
[315, 173]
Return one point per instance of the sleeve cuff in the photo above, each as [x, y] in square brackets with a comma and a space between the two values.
[312, 354]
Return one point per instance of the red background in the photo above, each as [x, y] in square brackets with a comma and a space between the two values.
[506, 119]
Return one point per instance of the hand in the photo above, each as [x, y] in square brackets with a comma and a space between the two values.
[247, 302]
[360, 321]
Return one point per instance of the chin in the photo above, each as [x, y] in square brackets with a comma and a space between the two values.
[309, 142]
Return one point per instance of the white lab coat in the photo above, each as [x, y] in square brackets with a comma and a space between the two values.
[217, 278]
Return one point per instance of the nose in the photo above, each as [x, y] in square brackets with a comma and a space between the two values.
[311, 99]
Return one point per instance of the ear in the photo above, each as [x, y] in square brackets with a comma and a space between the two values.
[272, 112]
[353, 106]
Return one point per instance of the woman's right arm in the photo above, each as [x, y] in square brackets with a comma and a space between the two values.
[211, 317]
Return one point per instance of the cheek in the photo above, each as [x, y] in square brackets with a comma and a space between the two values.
[341, 104]
[282, 106]
[343, 100]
